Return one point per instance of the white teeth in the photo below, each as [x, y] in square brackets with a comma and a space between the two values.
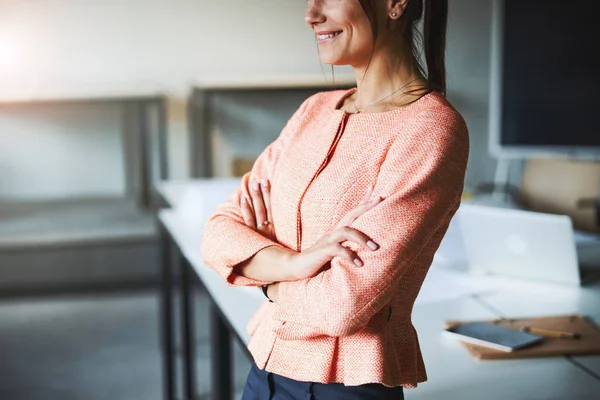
[323, 37]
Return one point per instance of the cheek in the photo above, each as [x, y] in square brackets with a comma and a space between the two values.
[358, 41]
[361, 31]
[361, 42]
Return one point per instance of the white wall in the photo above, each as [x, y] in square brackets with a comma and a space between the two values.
[169, 44]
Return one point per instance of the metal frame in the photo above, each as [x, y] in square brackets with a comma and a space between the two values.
[188, 330]
[152, 144]
[166, 325]
[199, 126]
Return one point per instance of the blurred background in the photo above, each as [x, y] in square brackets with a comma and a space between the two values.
[101, 101]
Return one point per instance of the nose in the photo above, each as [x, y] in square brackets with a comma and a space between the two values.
[314, 13]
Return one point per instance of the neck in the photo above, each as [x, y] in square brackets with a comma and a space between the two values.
[386, 73]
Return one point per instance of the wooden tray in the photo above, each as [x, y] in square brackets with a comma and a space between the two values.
[588, 343]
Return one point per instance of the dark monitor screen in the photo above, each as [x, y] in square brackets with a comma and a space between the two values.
[550, 73]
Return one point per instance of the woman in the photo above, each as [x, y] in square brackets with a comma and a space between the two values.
[340, 217]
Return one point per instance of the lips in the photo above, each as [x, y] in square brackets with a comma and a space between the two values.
[323, 36]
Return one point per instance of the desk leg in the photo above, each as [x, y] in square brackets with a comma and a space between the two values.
[189, 331]
[166, 315]
[220, 356]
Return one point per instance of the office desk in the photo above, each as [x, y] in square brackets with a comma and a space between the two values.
[452, 372]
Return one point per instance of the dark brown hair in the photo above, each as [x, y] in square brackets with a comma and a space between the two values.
[435, 21]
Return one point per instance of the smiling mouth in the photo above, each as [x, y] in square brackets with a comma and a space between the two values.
[329, 35]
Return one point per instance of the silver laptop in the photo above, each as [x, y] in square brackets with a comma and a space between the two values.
[520, 244]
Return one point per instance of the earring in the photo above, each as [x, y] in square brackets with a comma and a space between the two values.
[394, 15]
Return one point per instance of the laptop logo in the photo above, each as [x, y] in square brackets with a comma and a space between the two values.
[517, 244]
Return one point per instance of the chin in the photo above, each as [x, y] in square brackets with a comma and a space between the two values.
[334, 60]
[342, 57]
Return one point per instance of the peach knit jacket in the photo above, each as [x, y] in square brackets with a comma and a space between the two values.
[348, 324]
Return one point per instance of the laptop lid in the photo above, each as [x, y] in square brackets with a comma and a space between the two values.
[520, 244]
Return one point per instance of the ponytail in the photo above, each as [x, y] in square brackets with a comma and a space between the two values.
[435, 22]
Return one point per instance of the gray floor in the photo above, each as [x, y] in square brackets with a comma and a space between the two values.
[93, 347]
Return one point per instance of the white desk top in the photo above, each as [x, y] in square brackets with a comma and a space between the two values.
[172, 191]
[551, 300]
[177, 192]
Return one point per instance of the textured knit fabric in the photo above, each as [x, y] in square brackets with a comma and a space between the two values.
[348, 324]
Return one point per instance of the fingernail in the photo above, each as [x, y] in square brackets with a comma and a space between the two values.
[255, 185]
[358, 262]
[265, 182]
[372, 245]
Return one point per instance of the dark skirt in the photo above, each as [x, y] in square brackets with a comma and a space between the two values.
[264, 385]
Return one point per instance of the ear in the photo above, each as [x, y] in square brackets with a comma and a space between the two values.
[397, 8]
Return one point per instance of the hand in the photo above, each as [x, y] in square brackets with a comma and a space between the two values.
[257, 210]
[309, 262]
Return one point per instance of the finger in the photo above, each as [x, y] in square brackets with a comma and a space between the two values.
[247, 213]
[367, 194]
[258, 203]
[356, 212]
[348, 255]
[356, 236]
[266, 194]
[367, 205]
[364, 207]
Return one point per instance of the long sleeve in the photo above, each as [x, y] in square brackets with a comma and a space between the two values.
[421, 180]
[226, 240]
